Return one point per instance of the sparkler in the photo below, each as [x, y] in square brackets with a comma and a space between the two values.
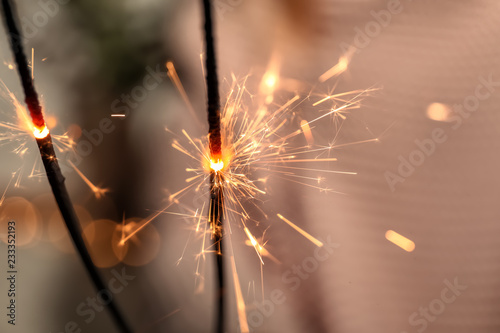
[216, 207]
[54, 175]
[254, 138]
[243, 140]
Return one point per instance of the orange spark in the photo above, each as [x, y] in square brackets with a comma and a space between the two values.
[400, 240]
[302, 232]
[98, 191]
[172, 74]
[307, 132]
[145, 223]
[340, 67]
[261, 250]
[240, 303]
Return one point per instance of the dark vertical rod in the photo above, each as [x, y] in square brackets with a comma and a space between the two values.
[213, 104]
[51, 165]
[216, 214]
[216, 218]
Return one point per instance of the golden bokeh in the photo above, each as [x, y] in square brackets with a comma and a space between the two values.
[27, 218]
[139, 249]
[98, 234]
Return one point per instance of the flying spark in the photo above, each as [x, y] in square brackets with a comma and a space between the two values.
[400, 240]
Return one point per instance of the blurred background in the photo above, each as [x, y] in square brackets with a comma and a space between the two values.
[436, 66]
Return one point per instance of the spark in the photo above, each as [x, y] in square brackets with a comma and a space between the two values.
[255, 244]
[156, 322]
[240, 302]
[340, 67]
[301, 231]
[8, 64]
[2, 199]
[144, 224]
[99, 192]
[172, 74]
[32, 63]
[260, 249]
[400, 240]
[307, 132]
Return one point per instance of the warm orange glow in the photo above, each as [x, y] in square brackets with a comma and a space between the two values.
[439, 112]
[400, 240]
[51, 121]
[216, 165]
[270, 80]
[41, 133]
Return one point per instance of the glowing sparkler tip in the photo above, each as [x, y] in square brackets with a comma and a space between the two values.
[270, 80]
[216, 165]
[41, 133]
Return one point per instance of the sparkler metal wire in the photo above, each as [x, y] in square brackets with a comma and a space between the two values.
[216, 215]
[49, 159]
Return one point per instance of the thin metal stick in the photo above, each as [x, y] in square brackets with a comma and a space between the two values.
[49, 159]
[216, 208]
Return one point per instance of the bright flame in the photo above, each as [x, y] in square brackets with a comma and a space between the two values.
[41, 133]
[216, 166]
[270, 80]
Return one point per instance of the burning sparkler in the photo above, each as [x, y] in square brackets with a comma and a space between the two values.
[49, 159]
[255, 139]
[216, 207]
[248, 135]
